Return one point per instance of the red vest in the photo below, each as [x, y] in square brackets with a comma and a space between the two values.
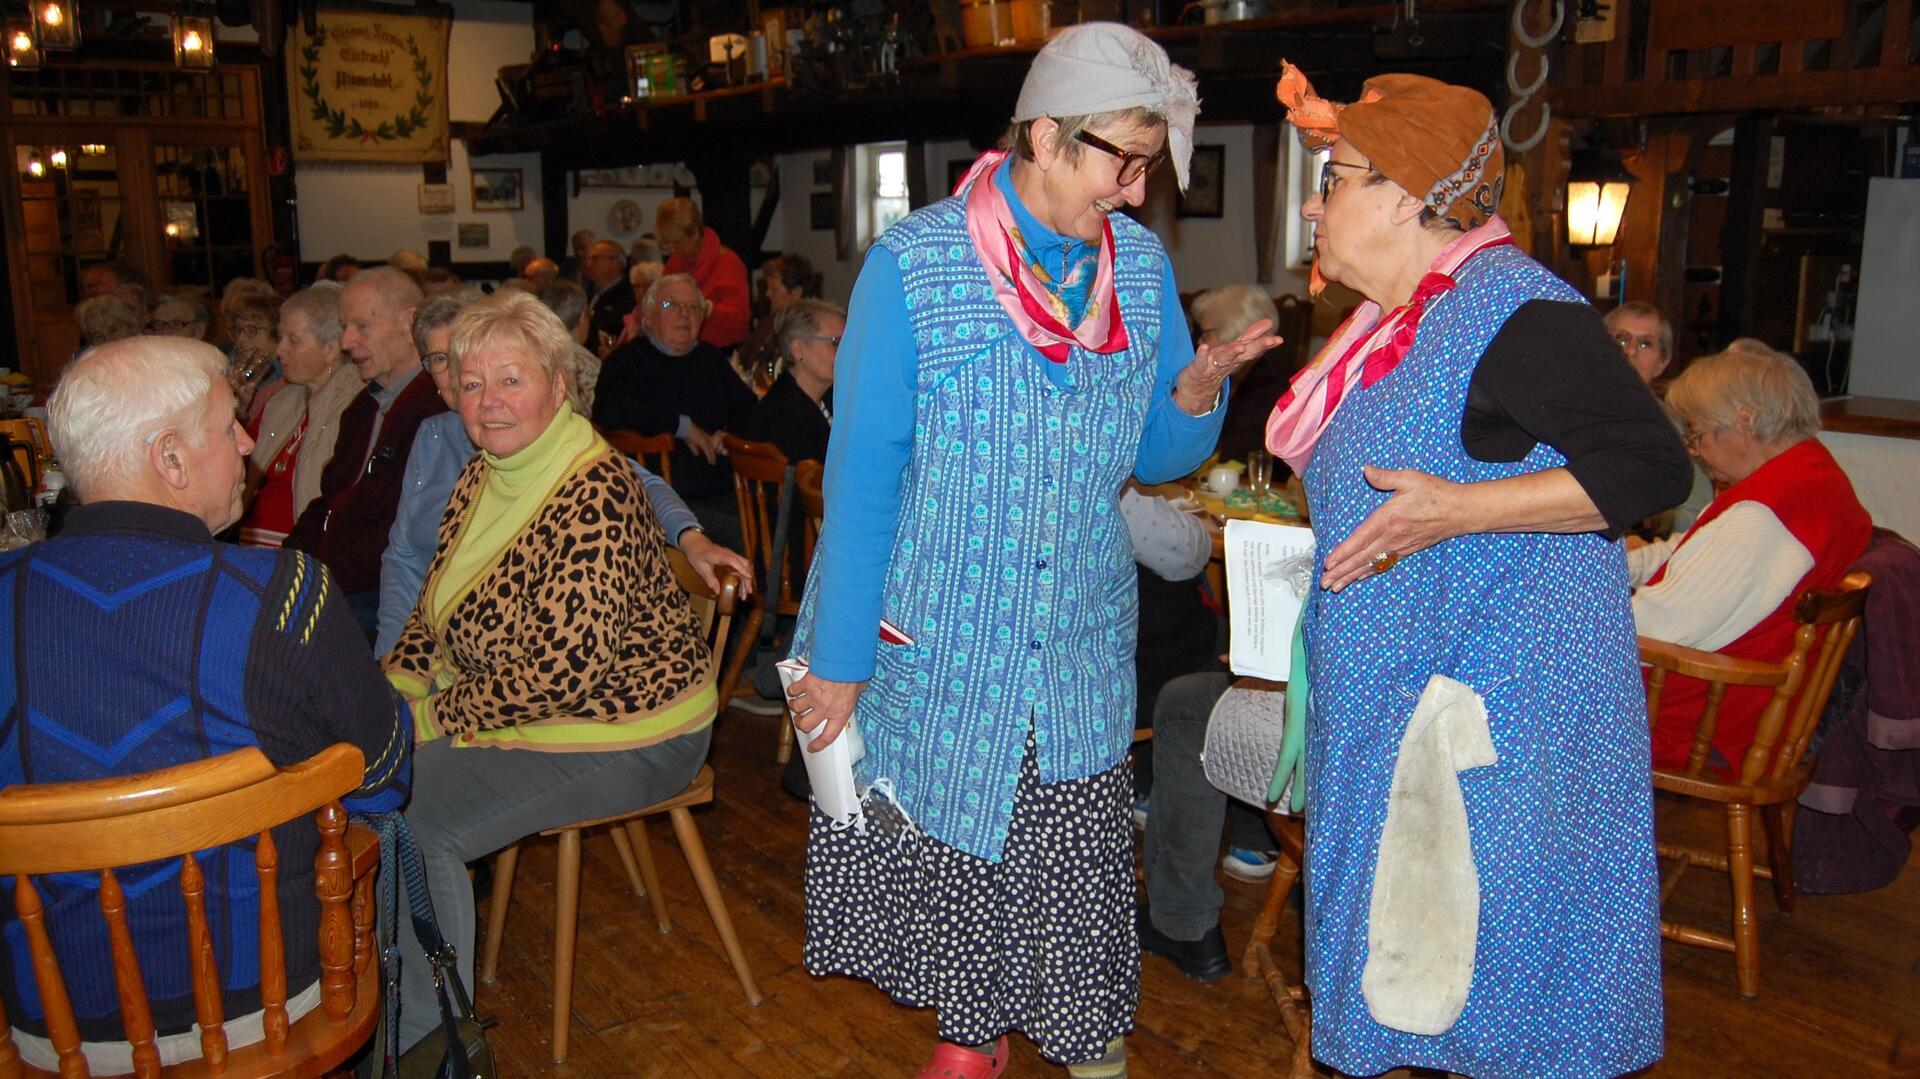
[1812, 498]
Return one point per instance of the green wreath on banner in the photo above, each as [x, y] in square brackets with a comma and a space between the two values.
[341, 125]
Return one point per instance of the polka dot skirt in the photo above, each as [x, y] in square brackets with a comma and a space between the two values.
[1041, 942]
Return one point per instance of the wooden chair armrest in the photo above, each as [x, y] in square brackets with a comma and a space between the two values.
[1710, 666]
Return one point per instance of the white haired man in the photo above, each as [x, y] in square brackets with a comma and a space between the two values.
[153, 645]
[669, 381]
[347, 526]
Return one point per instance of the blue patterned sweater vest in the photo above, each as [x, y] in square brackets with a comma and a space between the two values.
[1011, 567]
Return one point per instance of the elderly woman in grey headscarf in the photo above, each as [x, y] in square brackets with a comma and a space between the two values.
[1012, 355]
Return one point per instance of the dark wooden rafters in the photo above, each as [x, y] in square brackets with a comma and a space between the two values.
[969, 94]
[1741, 56]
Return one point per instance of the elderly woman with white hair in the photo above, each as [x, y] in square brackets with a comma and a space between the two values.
[1012, 355]
[299, 426]
[555, 669]
[1786, 520]
[1222, 314]
[104, 318]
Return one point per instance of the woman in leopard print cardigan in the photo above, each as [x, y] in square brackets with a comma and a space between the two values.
[550, 624]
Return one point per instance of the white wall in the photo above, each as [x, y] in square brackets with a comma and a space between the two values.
[370, 211]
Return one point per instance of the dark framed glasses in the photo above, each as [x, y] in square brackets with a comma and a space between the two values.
[1132, 166]
[1326, 174]
[434, 362]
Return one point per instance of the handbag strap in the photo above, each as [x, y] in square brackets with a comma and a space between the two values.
[400, 858]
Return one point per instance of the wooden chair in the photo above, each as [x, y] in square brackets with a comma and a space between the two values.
[759, 470]
[31, 445]
[629, 834]
[95, 826]
[1290, 833]
[653, 451]
[808, 478]
[1774, 770]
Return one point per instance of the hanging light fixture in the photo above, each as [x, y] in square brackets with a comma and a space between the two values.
[36, 168]
[192, 42]
[1598, 183]
[93, 149]
[58, 158]
[23, 52]
[54, 24]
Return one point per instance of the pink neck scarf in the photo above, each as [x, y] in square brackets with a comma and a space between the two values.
[1363, 350]
[1036, 312]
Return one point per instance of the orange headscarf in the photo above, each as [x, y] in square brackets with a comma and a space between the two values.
[1439, 142]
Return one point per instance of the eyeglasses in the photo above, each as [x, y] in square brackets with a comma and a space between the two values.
[831, 339]
[1132, 166]
[1691, 440]
[1630, 343]
[434, 362]
[1326, 174]
[171, 325]
[240, 328]
[670, 306]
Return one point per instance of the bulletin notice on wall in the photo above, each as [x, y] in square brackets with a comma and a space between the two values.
[369, 85]
[1269, 575]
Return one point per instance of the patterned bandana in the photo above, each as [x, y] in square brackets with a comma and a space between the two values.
[1363, 350]
[1021, 286]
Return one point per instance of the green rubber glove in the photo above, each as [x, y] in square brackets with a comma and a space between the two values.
[1293, 742]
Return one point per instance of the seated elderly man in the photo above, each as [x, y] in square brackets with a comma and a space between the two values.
[609, 295]
[669, 381]
[347, 526]
[693, 248]
[1785, 520]
[139, 642]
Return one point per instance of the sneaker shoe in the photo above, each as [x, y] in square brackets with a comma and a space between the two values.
[1140, 813]
[755, 704]
[1203, 960]
[1250, 866]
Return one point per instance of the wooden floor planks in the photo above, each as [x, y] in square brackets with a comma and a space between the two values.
[1840, 978]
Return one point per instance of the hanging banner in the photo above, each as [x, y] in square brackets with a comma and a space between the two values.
[369, 85]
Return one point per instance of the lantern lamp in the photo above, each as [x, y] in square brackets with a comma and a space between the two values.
[1598, 183]
[55, 26]
[23, 50]
[192, 42]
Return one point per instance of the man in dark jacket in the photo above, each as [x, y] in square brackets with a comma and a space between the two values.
[667, 381]
[347, 526]
[138, 642]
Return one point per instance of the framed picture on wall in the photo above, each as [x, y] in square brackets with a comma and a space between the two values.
[820, 211]
[1206, 181]
[956, 169]
[498, 190]
[475, 233]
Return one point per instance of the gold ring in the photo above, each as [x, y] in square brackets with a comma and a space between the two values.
[1383, 562]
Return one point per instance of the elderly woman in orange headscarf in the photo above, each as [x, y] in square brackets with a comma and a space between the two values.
[1483, 896]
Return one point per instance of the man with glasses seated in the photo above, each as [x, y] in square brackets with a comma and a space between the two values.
[1645, 337]
[668, 381]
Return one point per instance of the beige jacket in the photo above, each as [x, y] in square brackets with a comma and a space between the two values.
[323, 407]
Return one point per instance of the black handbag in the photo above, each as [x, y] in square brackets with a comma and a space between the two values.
[459, 1050]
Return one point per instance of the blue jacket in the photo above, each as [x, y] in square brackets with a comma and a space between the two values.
[972, 500]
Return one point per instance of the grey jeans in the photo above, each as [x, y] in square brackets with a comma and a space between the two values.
[1186, 812]
[471, 801]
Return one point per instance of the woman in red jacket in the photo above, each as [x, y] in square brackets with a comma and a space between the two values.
[1785, 520]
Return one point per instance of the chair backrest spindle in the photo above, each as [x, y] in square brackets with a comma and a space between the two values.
[273, 957]
[206, 971]
[136, 1017]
